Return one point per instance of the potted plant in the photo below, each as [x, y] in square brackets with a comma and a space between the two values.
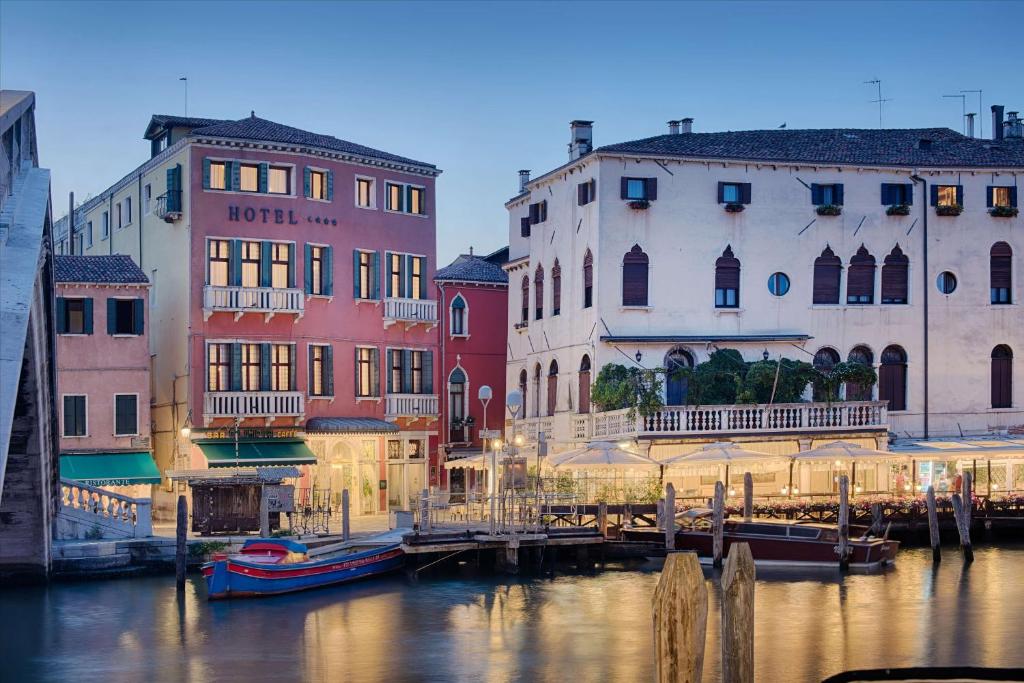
[1003, 211]
[470, 420]
[829, 210]
[949, 210]
[639, 204]
[898, 210]
[734, 207]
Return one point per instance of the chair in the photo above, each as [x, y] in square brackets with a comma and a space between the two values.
[440, 501]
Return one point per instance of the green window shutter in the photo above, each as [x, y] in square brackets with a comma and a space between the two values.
[291, 367]
[375, 294]
[236, 263]
[408, 276]
[375, 372]
[306, 182]
[111, 316]
[329, 370]
[330, 186]
[265, 383]
[356, 294]
[423, 277]
[266, 248]
[263, 170]
[236, 367]
[206, 174]
[387, 275]
[139, 315]
[428, 372]
[309, 369]
[407, 371]
[236, 176]
[390, 356]
[328, 271]
[88, 316]
[62, 322]
[355, 374]
[291, 265]
[307, 269]
[408, 197]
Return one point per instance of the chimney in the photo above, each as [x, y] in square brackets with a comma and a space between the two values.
[970, 124]
[524, 178]
[686, 125]
[1014, 126]
[673, 127]
[581, 140]
[997, 122]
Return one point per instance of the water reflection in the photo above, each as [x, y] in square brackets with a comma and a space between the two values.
[571, 628]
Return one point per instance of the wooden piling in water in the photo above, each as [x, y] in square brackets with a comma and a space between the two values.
[963, 527]
[933, 525]
[718, 525]
[181, 545]
[680, 605]
[876, 518]
[670, 517]
[748, 496]
[345, 515]
[844, 522]
[425, 510]
[738, 615]
[602, 518]
[967, 491]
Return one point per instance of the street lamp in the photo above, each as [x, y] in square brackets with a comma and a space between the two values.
[764, 354]
[484, 394]
[638, 356]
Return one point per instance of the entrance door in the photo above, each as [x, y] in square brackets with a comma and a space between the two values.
[368, 488]
[396, 485]
[415, 481]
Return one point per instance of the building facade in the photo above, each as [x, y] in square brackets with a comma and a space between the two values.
[103, 380]
[895, 248]
[473, 294]
[289, 280]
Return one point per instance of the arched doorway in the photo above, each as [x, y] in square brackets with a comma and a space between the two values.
[552, 387]
[824, 360]
[585, 384]
[353, 466]
[536, 390]
[677, 385]
[1002, 377]
[861, 355]
[892, 377]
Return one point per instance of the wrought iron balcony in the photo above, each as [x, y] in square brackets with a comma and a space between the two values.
[410, 311]
[242, 300]
[259, 404]
[411, 405]
[172, 198]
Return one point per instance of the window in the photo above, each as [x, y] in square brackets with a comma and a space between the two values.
[860, 283]
[525, 300]
[147, 195]
[677, 381]
[282, 360]
[127, 210]
[522, 390]
[416, 278]
[364, 193]
[126, 414]
[394, 197]
[250, 264]
[395, 281]
[125, 316]
[827, 271]
[556, 289]
[827, 195]
[416, 203]
[892, 378]
[250, 364]
[279, 180]
[946, 282]
[588, 279]
[366, 280]
[1000, 196]
[218, 367]
[457, 401]
[634, 277]
[249, 177]
[586, 192]
[1002, 377]
[584, 388]
[539, 212]
[538, 292]
[320, 375]
[74, 316]
[778, 284]
[727, 280]
[219, 263]
[406, 198]
[316, 266]
[861, 355]
[366, 373]
[536, 389]
[636, 189]
[524, 226]
[317, 185]
[120, 215]
[894, 277]
[458, 316]
[1000, 273]
[894, 194]
[733, 193]
[410, 372]
[105, 225]
[947, 195]
[824, 361]
[88, 232]
[280, 265]
[552, 387]
[75, 421]
[218, 175]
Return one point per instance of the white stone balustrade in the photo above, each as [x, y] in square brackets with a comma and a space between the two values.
[411, 405]
[266, 404]
[116, 516]
[410, 311]
[242, 300]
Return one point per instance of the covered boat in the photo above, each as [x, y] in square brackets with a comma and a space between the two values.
[272, 566]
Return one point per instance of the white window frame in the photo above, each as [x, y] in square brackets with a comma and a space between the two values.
[88, 234]
[381, 390]
[63, 421]
[127, 201]
[309, 388]
[326, 173]
[105, 227]
[373, 192]
[465, 318]
[291, 179]
[114, 411]
[405, 186]
[147, 199]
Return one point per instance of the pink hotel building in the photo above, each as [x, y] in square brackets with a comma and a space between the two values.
[290, 277]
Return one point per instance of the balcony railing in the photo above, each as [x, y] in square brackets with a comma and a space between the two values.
[161, 206]
[260, 404]
[242, 300]
[737, 419]
[411, 405]
[410, 312]
[532, 427]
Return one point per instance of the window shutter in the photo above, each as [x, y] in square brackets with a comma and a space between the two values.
[408, 276]
[406, 371]
[236, 176]
[721, 192]
[306, 182]
[236, 367]
[328, 271]
[139, 315]
[423, 277]
[87, 315]
[262, 181]
[111, 316]
[989, 192]
[581, 194]
[935, 195]
[634, 278]
[887, 194]
[894, 278]
[387, 275]
[909, 193]
[593, 188]
[428, 372]
[265, 367]
[375, 276]
[861, 277]
[745, 193]
[524, 226]
[624, 188]
[375, 372]
[389, 356]
[815, 194]
[206, 174]
[291, 367]
[265, 266]
[1000, 264]
[1013, 196]
[307, 269]
[355, 374]
[329, 370]
[651, 188]
[330, 186]
[827, 273]
[960, 195]
[310, 384]
[356, 293]
[837, 194]
[236, 263]
[291, 265]
[62, 327]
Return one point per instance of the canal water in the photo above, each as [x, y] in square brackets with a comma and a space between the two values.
[578, 628]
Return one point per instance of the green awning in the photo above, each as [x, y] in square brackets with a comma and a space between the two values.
[252, 453]
[110, 469]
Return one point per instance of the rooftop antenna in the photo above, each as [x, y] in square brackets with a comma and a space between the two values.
[185, 79]
[880, 100]
[963, 111]
[981, 119]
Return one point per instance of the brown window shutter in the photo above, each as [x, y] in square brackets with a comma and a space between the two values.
[556, 288]
[634, 277]
[727, 271]
[894, 277]
[827, 271]
[623, 188]
[651, 187]
[721, 192]
[745, 193]
[860, 285]
[581, 194]
[524, 226]
[1001, 262]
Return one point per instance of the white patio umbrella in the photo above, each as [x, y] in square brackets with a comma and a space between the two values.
[723, 452]
[601, 454]
[839, 452]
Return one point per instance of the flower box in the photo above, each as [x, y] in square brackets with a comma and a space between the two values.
[949, 210]
[1003, 211]
[639, 204]
[734, 207]
[829, 210]
[898, 210]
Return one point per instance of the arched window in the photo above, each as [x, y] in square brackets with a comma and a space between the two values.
[536, 390]
[677, 386]
[457, 404]
[522, 390]
[552, 387]
[894, 277]
[727, 280]
[1002, 377]
[863, 356]
[588, 279]
[459, 322]
[556, 288]
[827, 270]
[538, 292]
[525, 317]
[892, 377]
[1000, 266]
[860, 281]
[585, 384]
[634, 277]
[824, 360]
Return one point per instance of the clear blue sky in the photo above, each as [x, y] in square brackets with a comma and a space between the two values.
[484, 89]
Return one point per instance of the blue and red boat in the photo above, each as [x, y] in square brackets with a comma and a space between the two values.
[273, 566]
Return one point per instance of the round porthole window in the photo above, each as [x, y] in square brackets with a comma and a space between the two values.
[778, 284]
[946, 282]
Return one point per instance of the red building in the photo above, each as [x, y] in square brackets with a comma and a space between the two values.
[473, 296]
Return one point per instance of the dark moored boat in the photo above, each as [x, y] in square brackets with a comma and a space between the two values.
[778, 542]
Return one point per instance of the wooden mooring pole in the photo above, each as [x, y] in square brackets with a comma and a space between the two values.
[933, 525]
[738, 615]
[748, 496]
[602, 518]
[963, 527]
[181, 546]
[968, 496]
[670, 517]
[718, 525]
[425, 510]
[876, 518]
[844, 522]
[345, 531]
[680, 620]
